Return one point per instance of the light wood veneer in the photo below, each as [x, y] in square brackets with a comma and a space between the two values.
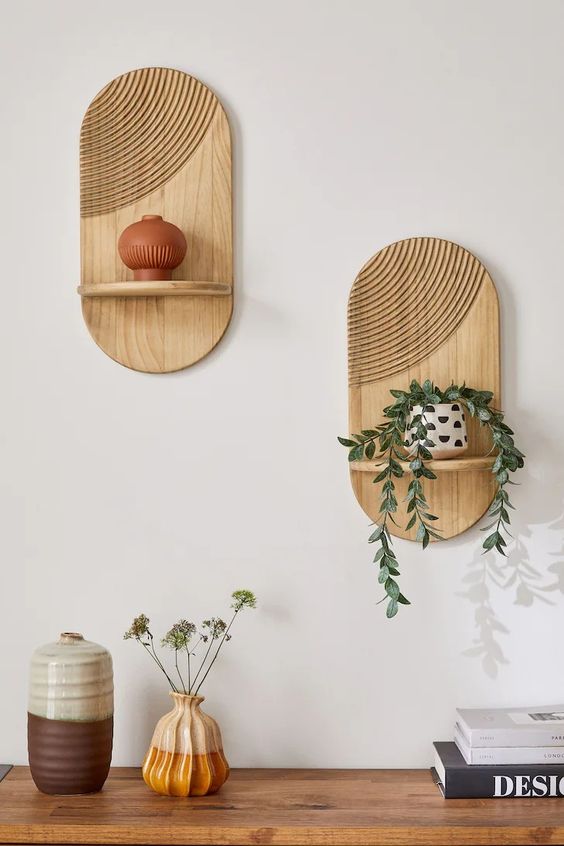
[424, 308]
[156, 141]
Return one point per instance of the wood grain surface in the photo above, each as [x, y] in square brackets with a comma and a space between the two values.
[157, 141]
[424, 308]
[290, 807]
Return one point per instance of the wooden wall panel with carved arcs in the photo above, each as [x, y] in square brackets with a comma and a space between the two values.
[424, 308]
[156, 141]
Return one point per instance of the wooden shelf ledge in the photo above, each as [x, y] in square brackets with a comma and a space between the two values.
[447, 465]
[174, 288]
[282, 807]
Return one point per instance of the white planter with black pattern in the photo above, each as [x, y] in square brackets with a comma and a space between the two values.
[446, 425]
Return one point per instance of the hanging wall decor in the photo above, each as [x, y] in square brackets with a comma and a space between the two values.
[156, 220]
[426, 309]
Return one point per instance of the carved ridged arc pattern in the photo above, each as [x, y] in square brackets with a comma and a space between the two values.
[406, 302]
[186, 753]
[138, 132]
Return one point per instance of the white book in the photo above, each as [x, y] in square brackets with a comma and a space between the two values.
[519, 727]
[505, 755]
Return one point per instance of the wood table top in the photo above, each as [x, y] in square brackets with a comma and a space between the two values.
[276, 806]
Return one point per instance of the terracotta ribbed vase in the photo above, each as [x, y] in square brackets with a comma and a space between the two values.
[70, 715]
[152, 248]
[186, 753]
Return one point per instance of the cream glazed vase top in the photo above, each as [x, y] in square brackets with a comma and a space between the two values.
[186, 753]
[71, 679]
[446, 427]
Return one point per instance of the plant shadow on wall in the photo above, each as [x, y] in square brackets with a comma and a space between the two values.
[531, 583]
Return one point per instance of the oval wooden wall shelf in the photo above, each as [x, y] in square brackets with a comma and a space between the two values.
[424, 308]
[156, 141]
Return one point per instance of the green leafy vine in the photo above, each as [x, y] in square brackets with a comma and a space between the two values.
[405, 437]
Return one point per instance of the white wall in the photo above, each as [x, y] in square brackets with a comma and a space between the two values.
[355, 124]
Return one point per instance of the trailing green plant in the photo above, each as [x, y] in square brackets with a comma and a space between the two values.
[211, 636]
[404, 436]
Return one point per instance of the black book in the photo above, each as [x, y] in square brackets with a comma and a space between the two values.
[458, 780]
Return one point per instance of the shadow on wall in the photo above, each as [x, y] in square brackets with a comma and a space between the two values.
[531, 583]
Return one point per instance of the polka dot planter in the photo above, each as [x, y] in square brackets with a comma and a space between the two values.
[446, 427]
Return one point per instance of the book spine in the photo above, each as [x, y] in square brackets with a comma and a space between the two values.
[515, 755]
[512, 737]
[491, 783]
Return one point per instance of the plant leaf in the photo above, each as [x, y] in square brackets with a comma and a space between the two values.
[490, 541]
[392, 588]
[392, 609]
[376, 533]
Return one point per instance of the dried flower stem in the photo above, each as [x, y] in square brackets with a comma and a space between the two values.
[161, 665]
[212, 662]
[201, 667]
[178, 670]
[151, 651]
[188, 663]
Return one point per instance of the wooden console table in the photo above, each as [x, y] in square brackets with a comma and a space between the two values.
[285, 807]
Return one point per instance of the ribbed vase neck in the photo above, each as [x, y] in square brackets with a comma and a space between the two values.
[186, 702]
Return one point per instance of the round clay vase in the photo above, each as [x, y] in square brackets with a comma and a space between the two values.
[186, 753]
[446, 427]
[70, 715]
[152, 248]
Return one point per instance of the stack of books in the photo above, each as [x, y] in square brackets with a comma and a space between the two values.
[496, 752]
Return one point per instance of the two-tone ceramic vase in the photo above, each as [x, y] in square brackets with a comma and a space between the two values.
[70, 715]
[186, 753]
[446, 427]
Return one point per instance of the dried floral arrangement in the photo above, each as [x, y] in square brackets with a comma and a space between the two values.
[184, 638]
[396, 440]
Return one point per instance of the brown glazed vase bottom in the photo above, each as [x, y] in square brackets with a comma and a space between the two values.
[67, 756]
